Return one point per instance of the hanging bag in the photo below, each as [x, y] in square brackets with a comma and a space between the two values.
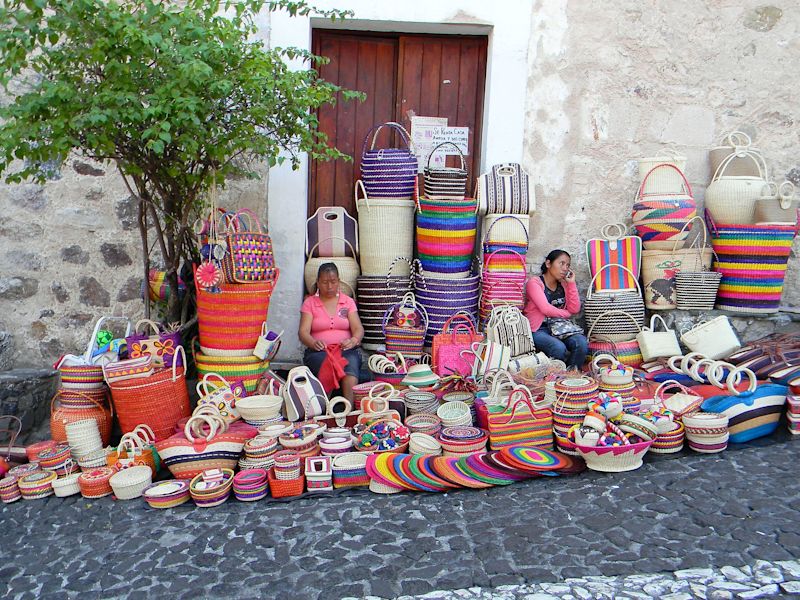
[303, 395]
[389, 172]
[656, 344]
[249, 257]
[445, 182]
[160, 345]
[458, 333]
[615, 248]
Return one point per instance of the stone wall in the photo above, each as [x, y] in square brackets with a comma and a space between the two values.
[610, 82]
[70, 253]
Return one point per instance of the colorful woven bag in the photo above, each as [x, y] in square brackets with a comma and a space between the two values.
[615, 248]
[229, 319]
[249, 257]
[753, 261]
[160, 345]
[331, 232]
[506, 232]
[457, 334]
[505, 189]
[404, 327]
[389, 172]
[521, 423]
[159, 401]
[660, 217]
[443, 298]
[445, 182]
[245, 369]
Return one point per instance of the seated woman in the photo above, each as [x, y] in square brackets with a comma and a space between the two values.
[554, 296]
[330, 318]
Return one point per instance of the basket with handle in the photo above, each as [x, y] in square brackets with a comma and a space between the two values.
[249, 257]
[665, 181]
[329, 225]
[445, 243]
[377, 293]
[404, 327]
[445, 182]
[347, 266]
[779, 208]
[160, 345]
[382, 244]
[628, 300]
[158, 401]
[521, 422]
[81, 373]
[389, 172]
[61, 415]
[458, 333]
[731, 199]
[506, 231]
[659, 217]
[625, 351]
[733, 144]
[614, 247]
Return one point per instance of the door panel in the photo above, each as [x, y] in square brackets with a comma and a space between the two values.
[432, 76]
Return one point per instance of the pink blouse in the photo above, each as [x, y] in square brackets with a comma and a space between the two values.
[331, 329]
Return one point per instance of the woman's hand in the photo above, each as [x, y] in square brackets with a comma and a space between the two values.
[318, 345]
[348, 344]
[570, 276]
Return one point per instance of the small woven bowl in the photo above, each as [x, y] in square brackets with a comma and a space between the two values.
[422, 443]
[131, 482]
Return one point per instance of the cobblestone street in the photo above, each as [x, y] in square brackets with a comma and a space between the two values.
[590, 535]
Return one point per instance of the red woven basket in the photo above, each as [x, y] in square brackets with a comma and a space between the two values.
[285, 488]
[231, 318]
[159, 401]
[59, 417]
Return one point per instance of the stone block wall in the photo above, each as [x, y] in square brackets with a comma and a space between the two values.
[610, 82]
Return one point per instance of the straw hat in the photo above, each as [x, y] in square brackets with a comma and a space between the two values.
[420, 375]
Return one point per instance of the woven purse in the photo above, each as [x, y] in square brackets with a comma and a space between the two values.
[389, 172]
[404, 327]
[627, 300]
[249, 257]
[445, 182]
[458, 333]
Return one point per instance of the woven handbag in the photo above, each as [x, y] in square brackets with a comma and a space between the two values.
[778, 209]
[522, 423]
[615, 248]
[731, 199]
[214, 390]
[457, 334]
[505, 189]
[249, 257]
[659, 217]
[335, 232]
[160, 345]
[714, 339]
[159, 401]
[377, 293]
[657, 344]
[382, 245]
[229, 320]
[389, 172]
[599, 303]
[347, 266]
[304, 397]
[85, 372]
[626, 351]
[508, 326]
[445, 182]
[404, 327]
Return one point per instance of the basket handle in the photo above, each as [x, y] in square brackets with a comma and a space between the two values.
[385, 390]
[590, 291]
[331, 402]
[738, 372]
[497, 220]
[755, 157]
[525, 400]
[786, 197]
[460, 154]
[653, 323]
[200, 418]
[150, 323]
[13, 434]
[619, 231]
[685, 225]
[662, 166]
[487, 261]
[87, 357]
[609, 312]
[332, 237]
[461, 317]
[203, 385]
[404, 135]
[737, 139]
[606, 357]
[252, 219]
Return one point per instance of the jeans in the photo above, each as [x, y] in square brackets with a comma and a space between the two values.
[575, 345]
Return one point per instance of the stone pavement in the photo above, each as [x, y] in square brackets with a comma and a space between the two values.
[702, 526]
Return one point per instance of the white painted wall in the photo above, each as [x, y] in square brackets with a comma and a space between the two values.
[508, 28]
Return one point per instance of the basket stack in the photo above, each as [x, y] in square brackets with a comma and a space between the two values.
[85, 443]
[250, 485]
[706, 433]
[37, 485]
[211, 487]
[167, 494]
[462, 441]
[9, 489]
[259, 453]
[571, 402]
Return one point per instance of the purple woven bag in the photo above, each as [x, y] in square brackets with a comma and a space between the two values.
[388, 172]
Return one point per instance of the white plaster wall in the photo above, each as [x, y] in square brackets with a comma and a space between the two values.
[502, 136]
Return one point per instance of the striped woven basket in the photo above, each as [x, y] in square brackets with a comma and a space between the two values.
[660, 217]
[753, 261]
[442, 298]
[247, 369]
[446, 241]
[230, 319]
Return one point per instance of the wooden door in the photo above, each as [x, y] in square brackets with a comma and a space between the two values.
[432, 76]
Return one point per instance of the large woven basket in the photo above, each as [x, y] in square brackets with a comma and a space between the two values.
[61, 415]
[386, 231]
[697, 290]
[247, 369]
[442, 298]
[159, 401]
[446, 241]
[389, 172]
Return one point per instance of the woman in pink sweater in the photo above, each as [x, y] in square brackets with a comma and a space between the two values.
[550, 297]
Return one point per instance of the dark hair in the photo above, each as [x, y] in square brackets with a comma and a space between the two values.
[328, 267]
[554, 255]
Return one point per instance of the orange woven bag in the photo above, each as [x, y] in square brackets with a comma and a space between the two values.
[61, 416]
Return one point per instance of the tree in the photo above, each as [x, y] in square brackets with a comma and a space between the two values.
[178, 95]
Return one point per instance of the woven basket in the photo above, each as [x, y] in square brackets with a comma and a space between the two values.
[446, 242]
[731, 199]
[159, 401]
[95, 483]
[389, 172]
[660, 217]
[350, 470]
[231, 318]
[614, 459]
[66, 486]
[61, 415]
[285, 488]
[382, 244]
[80, 377]
[445, 182]
[214, 496]
[406, 340]
[131, 482]
[627, 307]
[696, 290]
[752, 260]
[734, 143]
[346, 265]
[247, 369]
[662, 181]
